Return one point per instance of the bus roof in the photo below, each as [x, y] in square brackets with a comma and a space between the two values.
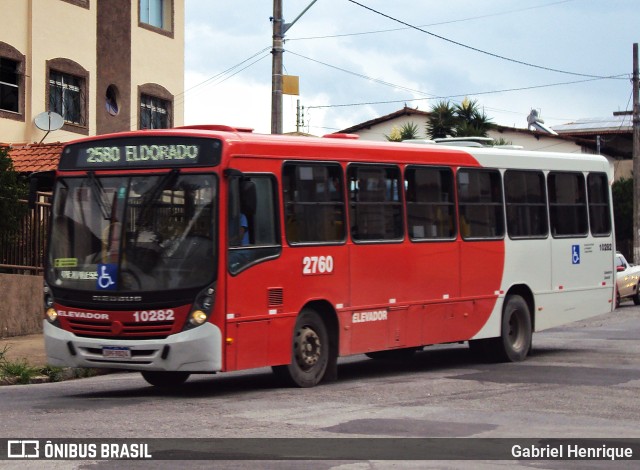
[241, 141]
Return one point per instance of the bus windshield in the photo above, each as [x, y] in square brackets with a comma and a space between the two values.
[133, 233]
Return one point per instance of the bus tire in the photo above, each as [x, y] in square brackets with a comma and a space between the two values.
[514, 342]
[310, 352]
[165, 379]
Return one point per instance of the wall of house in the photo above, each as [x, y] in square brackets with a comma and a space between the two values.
[55, 36]
[378, 132]
[166, 68]
[14, 31]
[21, 307]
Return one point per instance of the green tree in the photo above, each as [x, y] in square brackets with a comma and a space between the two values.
[622, 193]
[442, 120]
[406, 132]
[460, 120]
[12, 188]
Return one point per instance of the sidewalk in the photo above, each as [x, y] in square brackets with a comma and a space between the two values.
[29, 348]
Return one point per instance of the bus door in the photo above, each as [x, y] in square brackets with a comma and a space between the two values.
[253, 287]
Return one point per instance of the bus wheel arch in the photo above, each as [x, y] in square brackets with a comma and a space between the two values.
[314, 348]
[516, 329]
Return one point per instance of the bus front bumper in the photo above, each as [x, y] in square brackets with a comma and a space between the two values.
[196, 350]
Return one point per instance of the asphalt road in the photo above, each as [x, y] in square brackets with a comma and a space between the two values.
[581, 381]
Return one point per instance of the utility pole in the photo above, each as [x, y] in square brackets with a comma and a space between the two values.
[276, 68]
[636, 158]
[279, 30]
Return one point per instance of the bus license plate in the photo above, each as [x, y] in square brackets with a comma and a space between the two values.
[116, 352]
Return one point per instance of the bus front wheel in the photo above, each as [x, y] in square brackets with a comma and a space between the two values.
[165, 379]
[310, 352]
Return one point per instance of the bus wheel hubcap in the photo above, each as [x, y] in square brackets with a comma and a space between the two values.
[309, 348]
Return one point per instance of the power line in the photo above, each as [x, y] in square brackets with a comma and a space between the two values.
[461, 20]
[359, 75]
[475, 49]
[462, 95]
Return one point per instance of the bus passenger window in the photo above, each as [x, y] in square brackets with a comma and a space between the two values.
[252, 221]
[567, 204]
[599, 208]
[480, 204]
[314, 203]
[526, 201]
[375, 202]
[430, 203]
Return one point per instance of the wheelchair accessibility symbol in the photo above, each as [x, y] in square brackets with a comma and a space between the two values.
[575, 254]
[107, 277]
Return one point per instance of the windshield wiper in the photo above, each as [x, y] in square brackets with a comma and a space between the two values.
[154, 193]
[99, 195]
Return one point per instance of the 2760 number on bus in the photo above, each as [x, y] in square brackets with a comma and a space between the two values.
[317, 265]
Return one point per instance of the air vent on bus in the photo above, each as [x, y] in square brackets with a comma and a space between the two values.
[341, 136]
[276, 296]
[217, 127]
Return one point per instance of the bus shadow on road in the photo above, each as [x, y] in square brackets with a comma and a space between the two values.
[355, 368]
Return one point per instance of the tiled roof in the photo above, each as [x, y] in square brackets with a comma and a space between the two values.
[28, 158]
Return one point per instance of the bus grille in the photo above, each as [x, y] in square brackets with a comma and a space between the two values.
[156, 330]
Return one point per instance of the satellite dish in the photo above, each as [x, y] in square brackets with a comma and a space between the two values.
[49, 121]
[537, 124]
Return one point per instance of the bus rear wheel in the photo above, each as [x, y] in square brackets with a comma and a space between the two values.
[310, 352]
[514, 342]
[165, 379]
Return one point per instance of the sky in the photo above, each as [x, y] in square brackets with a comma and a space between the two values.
[361, 59]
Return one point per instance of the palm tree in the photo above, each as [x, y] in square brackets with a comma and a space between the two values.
[442, 120]
[406, 132]
[460, 120]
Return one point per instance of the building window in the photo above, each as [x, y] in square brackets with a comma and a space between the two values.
[66, 93]
[154, 113]
[9, 85]
[157, 14]
[79, 3]
[66, 97]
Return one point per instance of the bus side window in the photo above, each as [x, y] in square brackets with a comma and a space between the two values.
[567, 204]
[526, 201]
[599, 208]
[430, 204]
[314, 204]
[480, 203]
[252, 221]
[375, 202]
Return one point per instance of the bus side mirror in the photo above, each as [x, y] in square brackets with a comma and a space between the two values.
[37, 181]
[620, 268]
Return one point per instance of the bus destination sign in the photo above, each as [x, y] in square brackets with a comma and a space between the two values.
[141, 152]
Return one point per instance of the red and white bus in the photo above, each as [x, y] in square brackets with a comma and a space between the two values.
[207, 248]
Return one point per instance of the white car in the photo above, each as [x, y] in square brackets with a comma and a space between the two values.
[627, 278]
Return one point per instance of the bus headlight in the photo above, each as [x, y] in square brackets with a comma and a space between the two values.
[52, 315]
[201, 308]
[197, 317]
